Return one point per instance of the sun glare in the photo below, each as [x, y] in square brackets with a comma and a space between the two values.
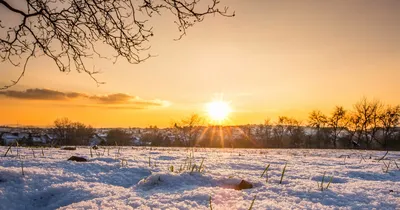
[218, 111]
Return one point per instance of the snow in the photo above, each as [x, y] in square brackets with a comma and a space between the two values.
[122, 179]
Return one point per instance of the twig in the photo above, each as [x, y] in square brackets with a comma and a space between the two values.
[7, 150]
[210, 204]
[322, 182]
[265, 170]
[330, 181]
[396, 164]
[252, 203]
[22, 167]
[383, 156]
[362, 158]
[283, 173]
[387, 166]
[201, 165]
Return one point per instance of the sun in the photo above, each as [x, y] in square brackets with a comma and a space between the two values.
[218, 111]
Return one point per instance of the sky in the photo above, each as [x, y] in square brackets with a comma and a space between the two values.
[273, 58]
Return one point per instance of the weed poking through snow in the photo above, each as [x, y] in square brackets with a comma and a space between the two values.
[211, 208]
[201, 166]
[321, 186]
[283, 173]
[385, 169]
[266, 173]
[252, 203]
[9, 148]
[330, 181]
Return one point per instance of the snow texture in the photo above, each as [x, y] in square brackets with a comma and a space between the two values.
[142, 178]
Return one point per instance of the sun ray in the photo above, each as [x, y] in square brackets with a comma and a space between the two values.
[221, 136]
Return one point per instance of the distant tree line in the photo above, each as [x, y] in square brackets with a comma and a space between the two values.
[67, 132]
[370, 124]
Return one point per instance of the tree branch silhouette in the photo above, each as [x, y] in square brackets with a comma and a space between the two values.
[67, 31]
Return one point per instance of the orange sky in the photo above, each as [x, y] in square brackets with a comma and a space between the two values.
[274, 58]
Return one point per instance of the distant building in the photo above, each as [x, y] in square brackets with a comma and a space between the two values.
[97, 139]
[10, 138]
[25, 138]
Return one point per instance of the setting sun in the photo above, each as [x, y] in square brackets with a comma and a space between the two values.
[218, 111]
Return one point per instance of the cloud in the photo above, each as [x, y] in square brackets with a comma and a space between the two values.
[41, 94]
[117, 98]
[104, 106]
[112, 101]
[126, 101]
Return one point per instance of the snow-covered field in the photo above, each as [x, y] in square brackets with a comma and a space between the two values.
[124, 179]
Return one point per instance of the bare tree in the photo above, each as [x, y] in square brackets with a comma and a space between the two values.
[70, 31]
[353, 128]
[389, 120]
[61, 130]
[337, 123]
[367, 113]
[118, 137]
[81, 134]
[318, 120]
[190, 128]
[295, 131]
[291, 128]
[265, 132]
[71, 133]
[279, 131]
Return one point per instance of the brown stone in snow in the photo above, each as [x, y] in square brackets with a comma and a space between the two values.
[68, 148]
[77, 159]
[243, 185]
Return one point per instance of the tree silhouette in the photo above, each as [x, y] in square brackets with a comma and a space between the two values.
[368, 113]
[389, 121]
[68, 31]
[338, 123]
[318, 120]
[118, 137]
[71, 133]
[190, 128]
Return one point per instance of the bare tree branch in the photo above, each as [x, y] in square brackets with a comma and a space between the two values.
[68, 31]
